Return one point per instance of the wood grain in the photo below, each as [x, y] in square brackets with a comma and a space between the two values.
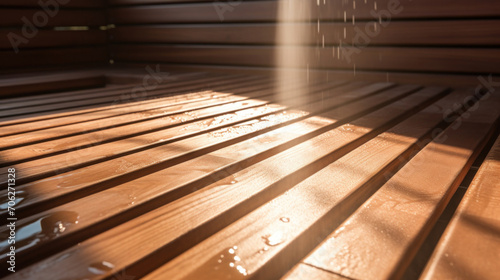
[52, 38]
[53, 57]
[116, 99]
[14, 17]
[261, 11]
[168, 137]
[70, 4]
[398, 33]
[303, 271]
[292, 218]
[196, 174]
[460, 60]
[391, 225]
[19, 86]
[151, 123]
[290, 134]
[473, 231]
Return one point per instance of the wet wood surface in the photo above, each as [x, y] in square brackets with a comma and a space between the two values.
[220, 165]
[470, 247]
[390, 226]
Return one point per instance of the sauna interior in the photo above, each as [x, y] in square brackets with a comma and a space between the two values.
[250, 139]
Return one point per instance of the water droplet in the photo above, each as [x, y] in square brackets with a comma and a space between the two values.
[46, 228]
[225, 265]
[132, 198]
[101, 267]
[226, 181]
[285, 219]
[265, 249]
[274, 239]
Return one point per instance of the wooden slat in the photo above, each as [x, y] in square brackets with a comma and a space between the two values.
[32, 100]
[69, 4]
[147, 125]
[116, 106]
[51, 38]
[146, 110]
[253, 11]
[470, 246]
[303, 271]
[52, 57]
[429, 79]
[108, 97]
[45, 83]
[60, 163]
[117, 96]
[172, 78]
[242, 170]
[460, 60]
[296, 218]
[14, 17]
[174, 115]
[144, 2]
[426, 33]
[288, 133]
[119, 76]
[390, 226]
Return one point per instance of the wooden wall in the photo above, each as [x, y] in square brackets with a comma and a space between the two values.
[32, 37]
[456, 38]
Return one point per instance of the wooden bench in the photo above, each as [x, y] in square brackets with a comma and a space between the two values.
[193, 139]
[212, 167]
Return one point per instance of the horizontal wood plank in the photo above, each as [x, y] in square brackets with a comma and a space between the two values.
[429, 79]
[460, 60]
[53, 57]
[399, 33]
[255, 11]
[52, 38]
[109, 97]
[147, 125]
[303, 271]
[174, 137]
[148, 109]
[46, 83]
[146, 2]
[469, 247]
[69, 4]
[393, 223]
[280, 221]
[212, 162]
[115, 105]
[38, 18]
[369, 102]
